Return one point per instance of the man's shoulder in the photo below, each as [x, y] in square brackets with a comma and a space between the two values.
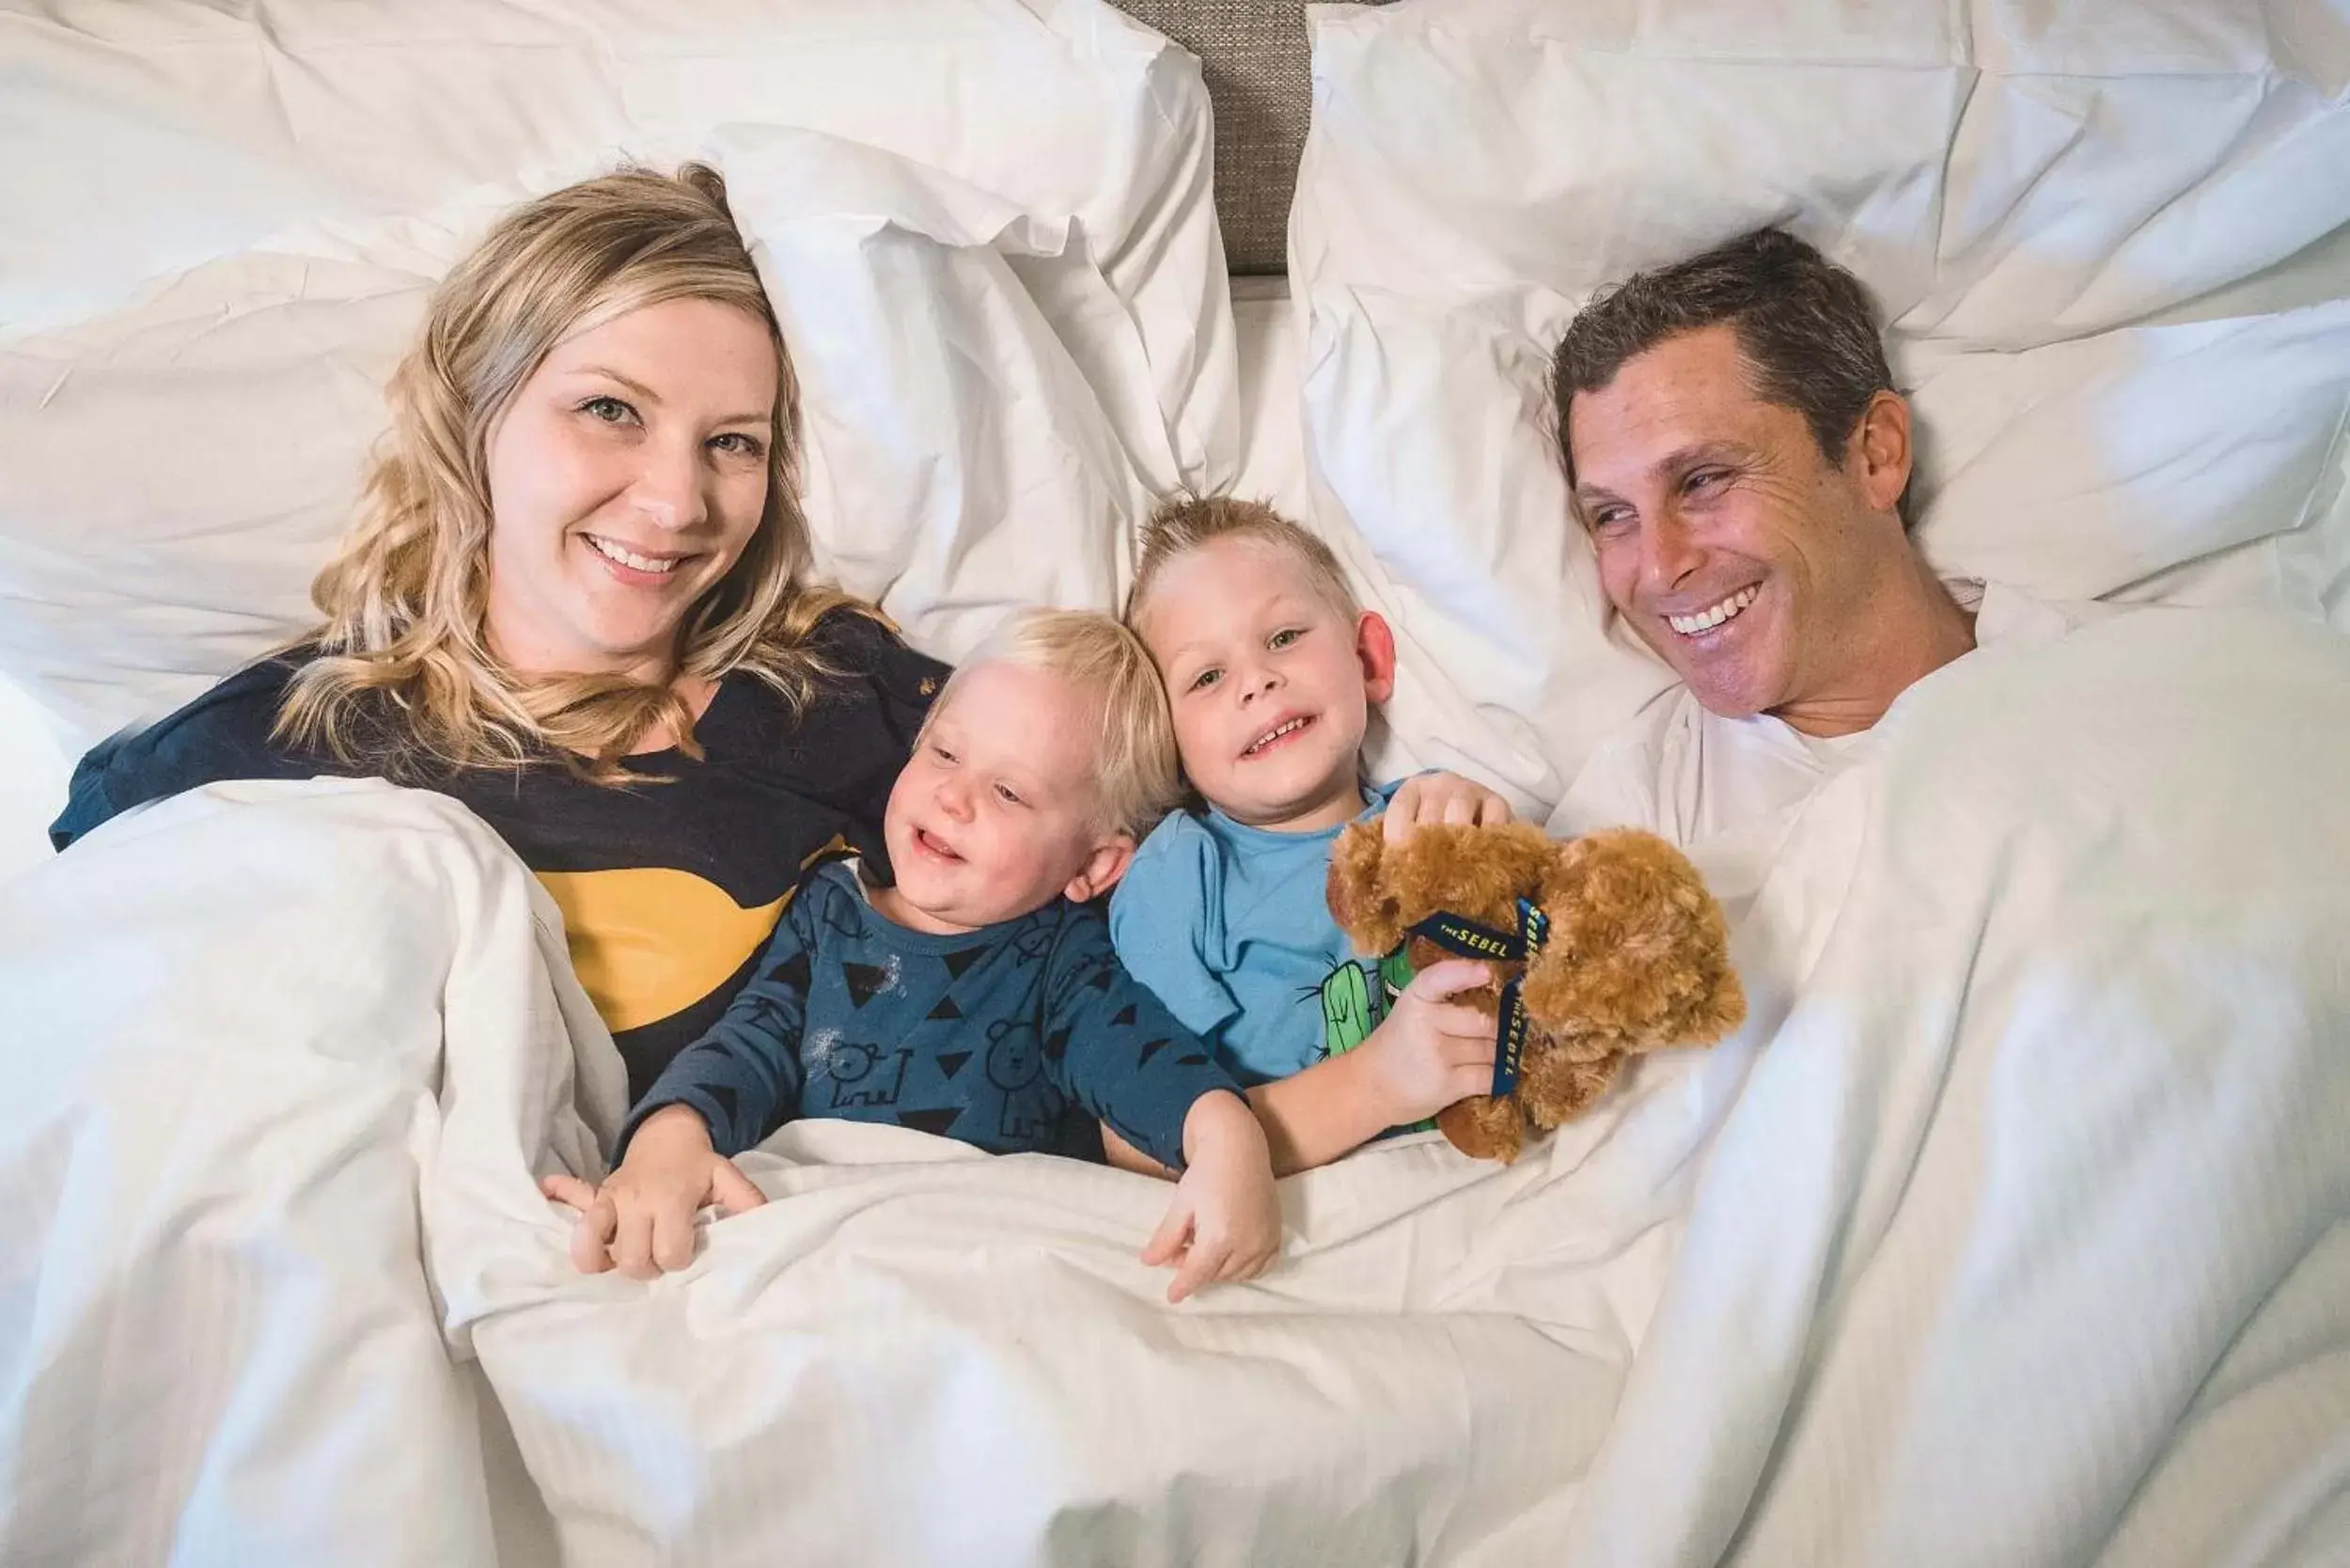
[1671, 718]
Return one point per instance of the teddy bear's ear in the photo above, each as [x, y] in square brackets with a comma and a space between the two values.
[1359, 901]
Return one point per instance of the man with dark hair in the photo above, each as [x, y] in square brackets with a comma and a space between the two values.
[1740, 459]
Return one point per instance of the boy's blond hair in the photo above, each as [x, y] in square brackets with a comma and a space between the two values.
[1180, 526]
[1136, 779]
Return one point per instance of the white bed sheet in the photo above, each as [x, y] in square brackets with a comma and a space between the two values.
[2037, 1259]
[33, 773]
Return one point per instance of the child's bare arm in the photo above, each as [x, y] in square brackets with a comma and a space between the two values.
[1224, 1223]
[1126, 1156]
[1428, 1053]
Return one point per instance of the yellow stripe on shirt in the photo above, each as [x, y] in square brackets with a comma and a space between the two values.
[649, 941]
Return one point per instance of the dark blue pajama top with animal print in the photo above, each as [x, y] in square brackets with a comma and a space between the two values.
[1016, 1037]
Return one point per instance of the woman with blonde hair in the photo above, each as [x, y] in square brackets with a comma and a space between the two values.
[576, 598]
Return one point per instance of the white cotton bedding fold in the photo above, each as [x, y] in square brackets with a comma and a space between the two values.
[221, 1081]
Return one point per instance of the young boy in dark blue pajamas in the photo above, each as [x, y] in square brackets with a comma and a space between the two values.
[976, 996]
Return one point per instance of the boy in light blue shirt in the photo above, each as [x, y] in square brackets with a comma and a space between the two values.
[1240, 945]
[1272, 670]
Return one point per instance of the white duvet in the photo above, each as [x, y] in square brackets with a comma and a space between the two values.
[2010, 1231]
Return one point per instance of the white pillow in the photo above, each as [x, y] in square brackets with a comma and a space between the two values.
[2119, 161]
[148, 139]
[2085, 469]
[1273, 442]
[961, 463]
[1434, 485]
[2106, 232]
[179, 462]
[178, 472]
[1459, 149]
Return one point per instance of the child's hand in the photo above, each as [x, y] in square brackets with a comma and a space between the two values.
[1430, 1051]
[1441, 798]
[641, 1221]
[1225, 1222]
[586, 1257]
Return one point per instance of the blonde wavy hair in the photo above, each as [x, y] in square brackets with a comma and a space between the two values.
[1136, 779]
[405, 599]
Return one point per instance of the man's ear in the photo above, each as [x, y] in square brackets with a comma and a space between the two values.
[1374, 645]
[1102, 870]
[1880, 455]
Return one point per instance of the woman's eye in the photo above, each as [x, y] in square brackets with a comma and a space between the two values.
[1702, 478]
[1284, 638]
[611, 411]
[1205, 679]
[740, 444]
[942, 754]
[1610, 520]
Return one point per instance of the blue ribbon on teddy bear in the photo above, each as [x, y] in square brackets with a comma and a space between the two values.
[1469, 939]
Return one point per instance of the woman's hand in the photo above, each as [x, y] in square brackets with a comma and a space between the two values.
[641, 1221]
[1225, 1222]
[1441, 798]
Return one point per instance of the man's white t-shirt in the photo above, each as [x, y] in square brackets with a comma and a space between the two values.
[1725, 789]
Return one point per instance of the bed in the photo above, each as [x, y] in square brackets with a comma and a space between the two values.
[2011, 1227]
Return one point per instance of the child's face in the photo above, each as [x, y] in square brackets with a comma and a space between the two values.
[1270, 683]
[996, 814]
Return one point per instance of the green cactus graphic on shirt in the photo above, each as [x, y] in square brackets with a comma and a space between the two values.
[1350, 1009]
[1355, 999]
[1395, 973]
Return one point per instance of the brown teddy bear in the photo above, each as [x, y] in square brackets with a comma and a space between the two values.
[1630, 954]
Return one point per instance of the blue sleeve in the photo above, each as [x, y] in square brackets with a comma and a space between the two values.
[744, 1075]
[224, 733]
[1121, 1055]
[1168, 916]
[1382, 795]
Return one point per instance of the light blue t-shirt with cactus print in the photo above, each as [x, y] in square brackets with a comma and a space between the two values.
[1229, 925]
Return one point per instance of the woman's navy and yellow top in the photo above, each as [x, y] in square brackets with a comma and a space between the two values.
[669, 891]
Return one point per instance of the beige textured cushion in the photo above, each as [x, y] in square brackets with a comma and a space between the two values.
[1253, 54]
